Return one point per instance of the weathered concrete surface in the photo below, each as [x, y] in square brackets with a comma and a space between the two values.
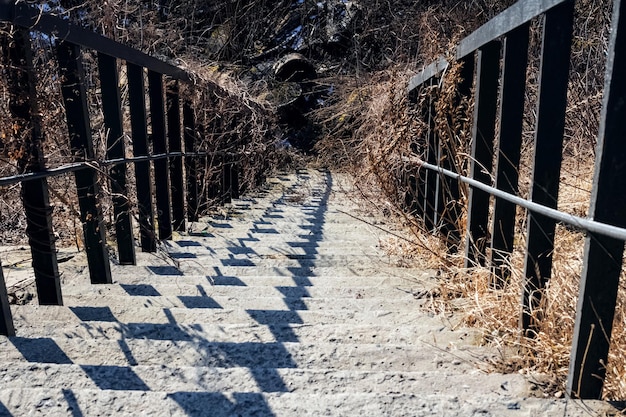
[287, 307]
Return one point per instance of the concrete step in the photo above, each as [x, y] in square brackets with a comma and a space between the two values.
[275, 265]
[419, 282]
[67, 349]
[32, 315]
[305, 250]
[247, 303]
[297, 224]
[192, 267]
[258, 380]
[300, 234]
[291, 251]
[206, 289]
[298, 220]
[275, 261]
[251, 333]
[66, 402]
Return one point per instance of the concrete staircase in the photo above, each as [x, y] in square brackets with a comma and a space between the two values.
[285, 307]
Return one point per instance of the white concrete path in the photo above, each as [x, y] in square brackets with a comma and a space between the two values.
[288, 307]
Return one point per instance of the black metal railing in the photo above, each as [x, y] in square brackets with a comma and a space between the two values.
[171, 149]
[495, 61]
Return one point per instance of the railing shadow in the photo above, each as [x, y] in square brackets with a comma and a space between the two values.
[4, 412]
[72, 403]
[263, 360]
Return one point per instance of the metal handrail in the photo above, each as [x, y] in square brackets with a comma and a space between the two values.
[31, 17]
[96, 164]
[581, 223]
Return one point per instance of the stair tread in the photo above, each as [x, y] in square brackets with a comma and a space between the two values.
[251, 303]
[127, 352]
[414, 281]
[236, 379]
[153, 314]
[63, 402]
[249, 333]
[205, 288]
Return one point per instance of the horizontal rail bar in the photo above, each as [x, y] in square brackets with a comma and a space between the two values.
[33, 18]
[513, 17]
[427, 73]
[578, 222]
[77, 166]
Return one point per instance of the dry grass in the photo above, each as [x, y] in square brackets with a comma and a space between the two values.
[228, 120]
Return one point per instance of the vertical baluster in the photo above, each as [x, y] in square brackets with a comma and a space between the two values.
[234, 172]
[159, 146]
[215, 169]
[432, 178]
[112, 109]
[6, 318]
[191, 162]
[412, 191]
[176, 162]
[603, 255]
[552, 101]
[509, 146]
[450, 209]
[72, 77]
[204, 182]
[139, 129]
[227, 178]
[440, 189]
[35, 196]
[483, 133]
[419, 182]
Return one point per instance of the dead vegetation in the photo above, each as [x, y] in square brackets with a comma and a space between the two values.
[230, 123]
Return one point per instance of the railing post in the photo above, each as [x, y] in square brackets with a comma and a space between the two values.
[603, 255]
[449, 205]
[112, 109]
[176, 162]
[552, 101]
[159, 146]
[214, 178]
[431, 177]
[416, 181]
[7, 10]
[137, 102]
[412, 193]
[6, 318]
[509, 146]
[205, 180]
[72, 77]
[227, 177]
[35, 197]
[483, 133]
[191, 162]
[234, 180]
